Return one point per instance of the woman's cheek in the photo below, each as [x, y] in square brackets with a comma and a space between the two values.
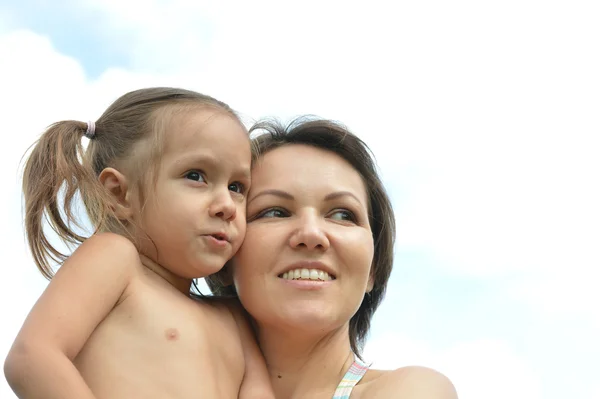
[247, 266]
[357, 245]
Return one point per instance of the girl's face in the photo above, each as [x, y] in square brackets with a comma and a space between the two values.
[306, 260]
[196, 214]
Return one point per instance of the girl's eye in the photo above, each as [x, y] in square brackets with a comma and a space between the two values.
[343, 215]
[195, 175]
[237, 187]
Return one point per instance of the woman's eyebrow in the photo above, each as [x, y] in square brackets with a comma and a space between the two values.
[339, 194]
[277, 193]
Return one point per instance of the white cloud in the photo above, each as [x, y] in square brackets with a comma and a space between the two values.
[570, 294]
[490, 369]
[595, 393]
[485, 368]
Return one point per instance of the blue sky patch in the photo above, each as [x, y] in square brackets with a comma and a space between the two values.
[71, 30]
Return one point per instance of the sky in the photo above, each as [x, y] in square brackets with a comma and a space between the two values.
[483, 117]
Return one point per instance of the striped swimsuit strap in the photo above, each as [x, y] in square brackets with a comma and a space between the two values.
[351, 378]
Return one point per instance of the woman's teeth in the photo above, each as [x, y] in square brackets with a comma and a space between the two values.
[306, 274]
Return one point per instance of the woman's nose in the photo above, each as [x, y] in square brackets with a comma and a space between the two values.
[309, 234]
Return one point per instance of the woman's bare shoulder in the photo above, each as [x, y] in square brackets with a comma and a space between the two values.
[411, 382]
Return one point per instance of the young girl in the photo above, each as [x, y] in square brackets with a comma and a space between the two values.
[164, 182]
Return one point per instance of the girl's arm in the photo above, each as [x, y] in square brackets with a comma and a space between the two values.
[256, 383]
[83, 291]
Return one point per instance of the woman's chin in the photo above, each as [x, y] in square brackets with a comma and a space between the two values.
[305, 314]
[306, 320]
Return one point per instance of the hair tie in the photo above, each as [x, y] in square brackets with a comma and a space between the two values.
[91, 130]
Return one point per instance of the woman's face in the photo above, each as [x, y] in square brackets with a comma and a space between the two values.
[306, 259]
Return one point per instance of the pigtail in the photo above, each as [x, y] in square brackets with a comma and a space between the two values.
[54, 169]
[59, 168]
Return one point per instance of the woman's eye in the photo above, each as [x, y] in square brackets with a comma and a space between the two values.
[195, 175]
[237, 187]
[273, 213]
[343, 215]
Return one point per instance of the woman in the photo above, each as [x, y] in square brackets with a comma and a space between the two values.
[315, 265]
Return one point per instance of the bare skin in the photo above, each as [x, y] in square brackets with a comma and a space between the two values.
[303, 366]
[410, 382]
[149, 344]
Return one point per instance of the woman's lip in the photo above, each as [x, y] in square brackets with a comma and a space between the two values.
[309, 285]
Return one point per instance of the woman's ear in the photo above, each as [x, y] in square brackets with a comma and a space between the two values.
[116, 185]
[371, 281]
[370, 284]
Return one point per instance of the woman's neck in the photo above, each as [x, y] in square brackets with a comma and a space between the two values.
[302, 365]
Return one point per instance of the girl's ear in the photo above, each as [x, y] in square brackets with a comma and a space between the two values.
[116, 185]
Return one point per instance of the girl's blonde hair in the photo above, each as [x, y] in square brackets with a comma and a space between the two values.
[59, 168]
